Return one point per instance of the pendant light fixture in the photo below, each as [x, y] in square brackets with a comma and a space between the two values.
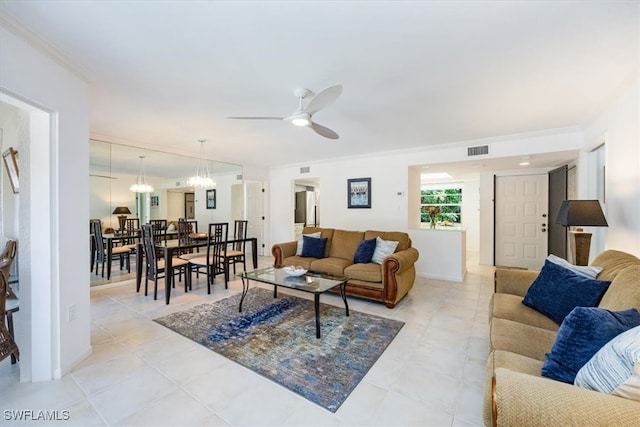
[201, 179]
[141, 185]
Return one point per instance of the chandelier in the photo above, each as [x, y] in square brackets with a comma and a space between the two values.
[201, 179]
[141, 185]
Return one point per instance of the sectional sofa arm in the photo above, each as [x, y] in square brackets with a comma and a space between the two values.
[401, 260]
[281, 251]
[524, 400]
[515, 282]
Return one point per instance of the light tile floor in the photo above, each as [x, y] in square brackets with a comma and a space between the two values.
[141, 373]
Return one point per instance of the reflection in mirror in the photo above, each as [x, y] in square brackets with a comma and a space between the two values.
[114, 167]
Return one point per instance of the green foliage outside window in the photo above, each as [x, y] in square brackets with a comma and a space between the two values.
[449, 200]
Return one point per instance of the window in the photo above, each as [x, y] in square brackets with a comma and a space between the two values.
[447, 196]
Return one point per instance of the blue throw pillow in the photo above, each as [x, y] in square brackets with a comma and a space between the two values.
[557, 290]
[313, 247]
[365, 250]
[582, 333]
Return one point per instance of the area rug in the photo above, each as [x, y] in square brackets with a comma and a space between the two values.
[277, 339]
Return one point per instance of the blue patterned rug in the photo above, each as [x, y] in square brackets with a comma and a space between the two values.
[277, 339]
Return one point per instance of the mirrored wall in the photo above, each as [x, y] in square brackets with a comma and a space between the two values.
[114, 168]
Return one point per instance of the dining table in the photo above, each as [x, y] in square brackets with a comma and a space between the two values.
[172, 248]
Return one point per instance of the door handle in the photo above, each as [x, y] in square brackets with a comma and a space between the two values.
[544, 215]
[544, 230]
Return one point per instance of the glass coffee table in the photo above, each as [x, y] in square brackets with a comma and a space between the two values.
[315, 284]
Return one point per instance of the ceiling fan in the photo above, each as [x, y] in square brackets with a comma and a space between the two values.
[303, 116]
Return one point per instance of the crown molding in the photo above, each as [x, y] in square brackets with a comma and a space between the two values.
[35, 40]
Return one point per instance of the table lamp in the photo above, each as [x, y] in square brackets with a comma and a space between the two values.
[581, 213]
[122, 212]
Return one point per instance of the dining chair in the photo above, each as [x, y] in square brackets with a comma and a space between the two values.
[213, 262]
[159, 229]
[237, 252]
[121, 252]
[132, 228]
[156, 265]
[6, 261]
[186, 228]
[8, 346]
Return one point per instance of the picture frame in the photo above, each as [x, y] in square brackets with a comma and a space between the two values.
[359, 193]
[211, 199]
[155, 201]
[11, 163]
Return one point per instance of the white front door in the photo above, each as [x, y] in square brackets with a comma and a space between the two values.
[521, 220]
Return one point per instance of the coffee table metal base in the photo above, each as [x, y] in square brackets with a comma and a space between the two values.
[316, 299]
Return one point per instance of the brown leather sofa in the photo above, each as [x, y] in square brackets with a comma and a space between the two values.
[515, 392]
[388, 282]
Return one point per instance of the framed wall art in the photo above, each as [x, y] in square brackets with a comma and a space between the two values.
[211, 199]
[10, 157]
[359, 193]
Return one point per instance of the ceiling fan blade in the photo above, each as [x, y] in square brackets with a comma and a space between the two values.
[323, 99]
[257, 118]
[324, 131]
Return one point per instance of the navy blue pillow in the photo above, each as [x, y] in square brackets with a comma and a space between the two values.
[582, 333]
[313, 246]
[557, 290]
[365, 251]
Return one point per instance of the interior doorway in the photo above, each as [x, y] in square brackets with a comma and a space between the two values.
[521, 220]
[306, 204]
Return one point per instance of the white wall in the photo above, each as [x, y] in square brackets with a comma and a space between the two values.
[393, 173]
[618, 126]
[53, 202]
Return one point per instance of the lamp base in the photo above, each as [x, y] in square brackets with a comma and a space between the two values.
[579, 246]
[122, 219]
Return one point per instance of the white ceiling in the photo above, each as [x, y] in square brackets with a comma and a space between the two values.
[414, 73]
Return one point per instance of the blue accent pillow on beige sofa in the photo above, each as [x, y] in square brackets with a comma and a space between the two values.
[365, 250]
[557, 290]
[582, 333]
[313, 247]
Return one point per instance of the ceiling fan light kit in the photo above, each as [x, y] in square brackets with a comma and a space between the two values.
[303, 116]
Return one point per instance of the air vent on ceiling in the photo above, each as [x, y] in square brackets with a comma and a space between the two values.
[305, 169]
[477, 151]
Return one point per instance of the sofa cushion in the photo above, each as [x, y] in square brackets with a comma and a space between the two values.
[582, 333]
[615, 368]
[369, 272]
[324, 232]
[624, 291]
[365, 250]
[404, 242]
[508, 306]
[298, 261]
[557, 290]
[519, 338]
[301, 241]
[330, 265]
[588, 271]
[313, 247]
[345, 243]
[384, 248]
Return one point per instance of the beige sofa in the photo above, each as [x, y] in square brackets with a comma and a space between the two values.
[515, 392]
[388, 282]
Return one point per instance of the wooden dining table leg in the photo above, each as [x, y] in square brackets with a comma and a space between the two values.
[168, 273]
[109, 254]
[254, 252]
[138, 266]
